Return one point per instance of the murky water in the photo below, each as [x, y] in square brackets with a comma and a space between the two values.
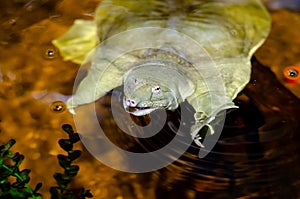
[256, 157]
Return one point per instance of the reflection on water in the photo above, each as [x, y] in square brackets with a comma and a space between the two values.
[256, 157]
[277, 4]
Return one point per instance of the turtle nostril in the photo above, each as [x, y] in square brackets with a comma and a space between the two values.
[130, 103]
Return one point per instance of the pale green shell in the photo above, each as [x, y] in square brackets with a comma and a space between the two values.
[230, 31]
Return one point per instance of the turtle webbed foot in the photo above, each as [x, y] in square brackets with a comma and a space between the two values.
[197, 133]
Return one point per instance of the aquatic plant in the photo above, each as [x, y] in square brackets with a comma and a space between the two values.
[14, 182]
[70, 171]
[9, 167]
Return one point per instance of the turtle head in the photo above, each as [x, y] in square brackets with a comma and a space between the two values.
[143, 94]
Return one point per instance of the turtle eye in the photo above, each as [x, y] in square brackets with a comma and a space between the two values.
[156, 89]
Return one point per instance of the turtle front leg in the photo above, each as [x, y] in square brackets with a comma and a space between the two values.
[213, 121]
[201, 120]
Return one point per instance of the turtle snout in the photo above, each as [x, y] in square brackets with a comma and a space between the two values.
[130, 102]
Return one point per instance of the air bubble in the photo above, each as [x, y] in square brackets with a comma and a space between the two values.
[58, 107]
[50, 53]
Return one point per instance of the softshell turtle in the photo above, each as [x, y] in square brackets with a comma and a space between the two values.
[166, 52]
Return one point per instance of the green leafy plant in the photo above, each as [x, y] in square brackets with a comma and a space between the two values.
[70, 171]
[14, 182]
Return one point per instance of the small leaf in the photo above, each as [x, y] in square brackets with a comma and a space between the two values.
[68, 128]
[10, 143]
[74, 137]
[73, 155]
[61, 180]
[37, 187]
[54, 192]
[24, 174]
[86, 194]
[72, 170]
[63, 161]
[65, 144]
[17, 159]
[4, 149]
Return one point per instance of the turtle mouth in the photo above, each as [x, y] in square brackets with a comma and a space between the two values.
[140, 111]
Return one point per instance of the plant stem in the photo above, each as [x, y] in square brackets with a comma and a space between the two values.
[20, 178]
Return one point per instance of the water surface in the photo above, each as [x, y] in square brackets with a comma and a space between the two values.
[256, 157]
